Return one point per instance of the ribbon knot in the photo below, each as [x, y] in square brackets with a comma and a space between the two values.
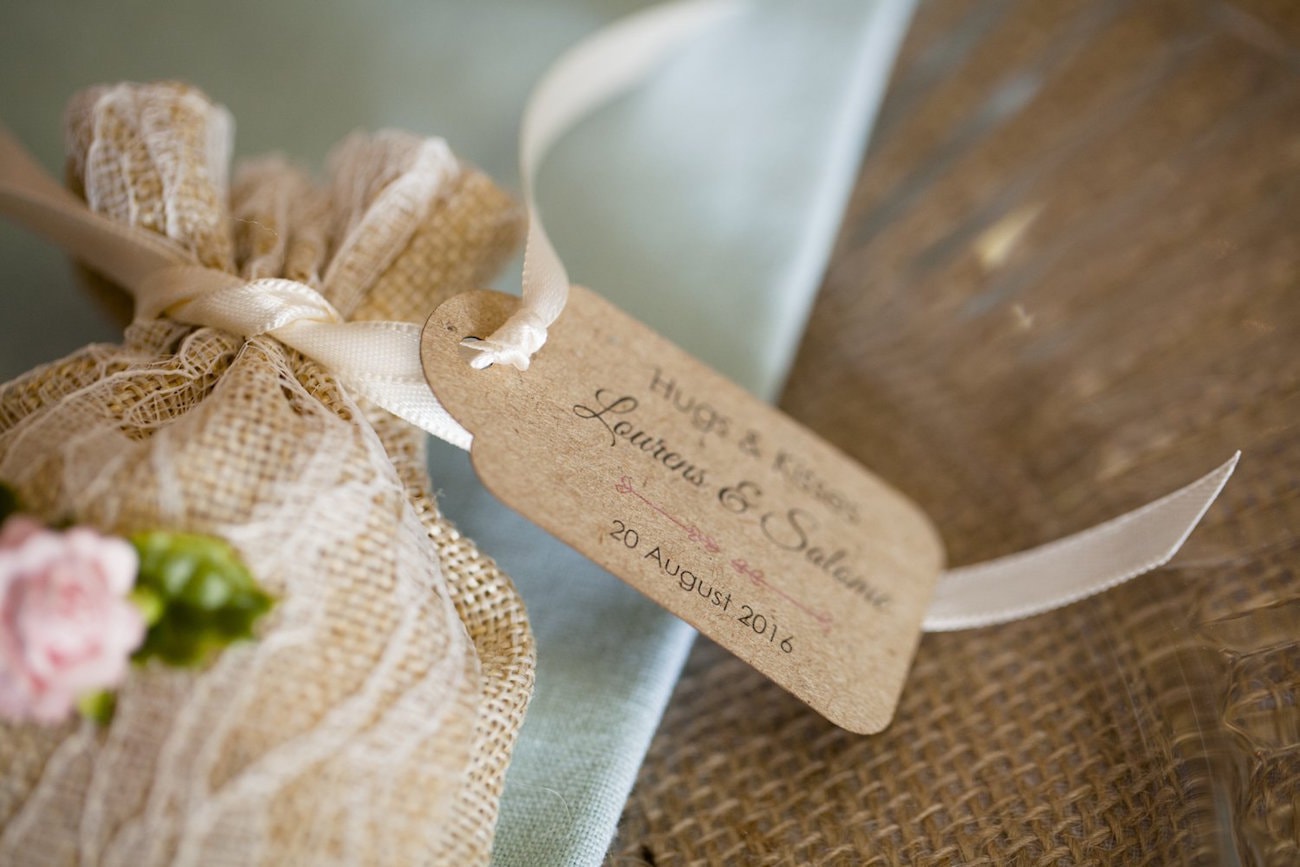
[197, 295]
[377, 360]
[513, 343]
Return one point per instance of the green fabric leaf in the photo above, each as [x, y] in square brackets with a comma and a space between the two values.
[98, 706]
[151, 605]
[196, 595]
[8, 502]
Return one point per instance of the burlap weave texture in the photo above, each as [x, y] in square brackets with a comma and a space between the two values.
[1066, 284]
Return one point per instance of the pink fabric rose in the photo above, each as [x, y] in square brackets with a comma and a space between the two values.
[66, 626]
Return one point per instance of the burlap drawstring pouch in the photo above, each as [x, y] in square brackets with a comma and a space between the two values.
[372, 719]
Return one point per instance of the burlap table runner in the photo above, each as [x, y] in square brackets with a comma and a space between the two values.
[1067, 283]
[372, 720]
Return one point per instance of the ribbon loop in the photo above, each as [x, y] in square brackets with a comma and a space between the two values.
[591, 74]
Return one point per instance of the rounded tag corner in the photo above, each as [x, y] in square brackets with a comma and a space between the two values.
[863, 726]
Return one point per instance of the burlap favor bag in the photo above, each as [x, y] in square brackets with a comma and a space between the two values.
[372, 720]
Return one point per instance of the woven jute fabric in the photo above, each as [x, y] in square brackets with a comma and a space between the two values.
[372, 719]
[1067, 283]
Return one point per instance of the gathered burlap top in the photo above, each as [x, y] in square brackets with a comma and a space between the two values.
[1068, 282]
[372, 720]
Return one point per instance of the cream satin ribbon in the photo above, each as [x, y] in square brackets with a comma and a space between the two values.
[589, 75]
[381, 360]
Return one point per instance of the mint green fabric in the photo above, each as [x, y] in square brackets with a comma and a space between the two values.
[705, 204]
